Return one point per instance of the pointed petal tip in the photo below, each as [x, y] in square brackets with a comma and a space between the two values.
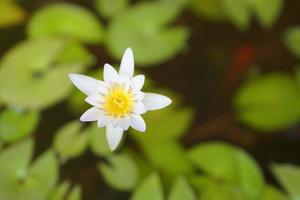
[111, 147]
[72, 76]
[128, 49]
[113, 136]
[127, 63]
[168, 101]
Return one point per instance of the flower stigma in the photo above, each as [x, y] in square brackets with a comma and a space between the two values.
[118, 102]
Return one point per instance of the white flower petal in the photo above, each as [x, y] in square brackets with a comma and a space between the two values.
[127, 63]
[139, 108]
[154, 101]
[87, 85]
[95, 100]
[124, 123]
[115, 121]
[138, 96]
[102, 120]
[138, 82]
[110, 75]
[113, 136]
[124, 81]
[137, 122]
[91, 114]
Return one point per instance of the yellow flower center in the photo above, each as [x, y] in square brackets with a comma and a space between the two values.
[118, 102]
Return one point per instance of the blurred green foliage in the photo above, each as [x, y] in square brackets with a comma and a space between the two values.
[111, 8]
[70, 141]
[292, 40]
[15, 125]
[22, 180]
[278, 94]
[156, 165]
[122, 172]
[289, 177]
[11, 13]
[66, 20]
[144, 28]
[42, 63]
[62, 191]
[239, 12]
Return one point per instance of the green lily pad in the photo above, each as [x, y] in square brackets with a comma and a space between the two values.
[288, 176]
[98, 142]
[276, 93]
[16, 125]
[271, 193]
[70, 141]
[121, 172]
[163, 126]
[75, 194]
[149, 189]
[42, 177]
[208, 9]
[267, 12]
[143, 28]
[210, 188]
[292, 40]
[18, 180]
[65, 19]
[34, 74]
[59, 192]
[63, 192]
[111, 8]
[229, 164]
[170, 166]
[224, 191]
[182, 190]
[11, 13]
[297, 74]
[238, 12]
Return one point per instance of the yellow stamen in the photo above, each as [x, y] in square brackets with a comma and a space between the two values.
[118, 102]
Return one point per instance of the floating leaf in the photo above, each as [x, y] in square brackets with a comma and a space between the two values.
[224, 191]
[69, 142]
[182, 190]
[149, 189]
[11, 13]
[68, 20]
[111, 8]
[278, 94]
[18, 180]
[289, 177]
[267, 12]
[75, 194]
[229, 164]
[122, 172]
[271, 193]
[297, 74]
[34, 76]
[42, 177]
[60, 191]
[15, 159]
[209, 9]
[15, 124]
[292, 40]
[238, 11]
[170, 166]
[163, 126]
[98, 141]
[142, 28]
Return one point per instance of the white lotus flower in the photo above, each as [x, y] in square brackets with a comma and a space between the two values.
[118, 101]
